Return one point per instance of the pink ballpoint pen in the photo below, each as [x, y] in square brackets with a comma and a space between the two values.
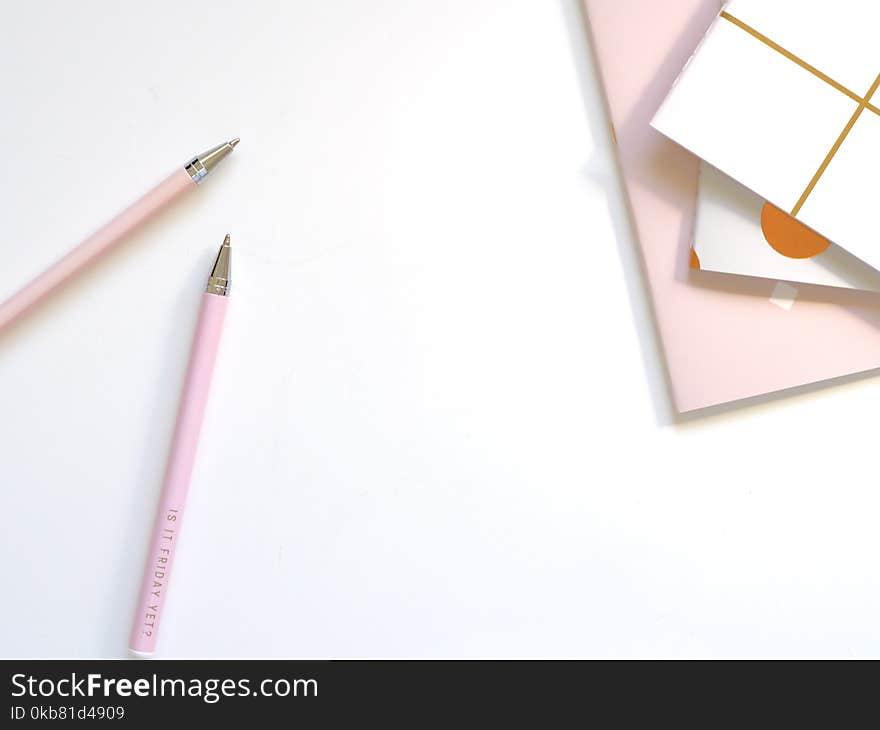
[166, 530]
[176, 184]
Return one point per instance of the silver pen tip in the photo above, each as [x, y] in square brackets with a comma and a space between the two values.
[200, 165]
[218, 282]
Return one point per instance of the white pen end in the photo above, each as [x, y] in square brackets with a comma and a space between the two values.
[135, 654]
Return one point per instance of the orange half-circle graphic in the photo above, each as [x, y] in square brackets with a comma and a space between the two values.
[790, 237]
[695, 260]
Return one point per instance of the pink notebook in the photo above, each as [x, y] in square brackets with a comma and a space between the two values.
[723, 337]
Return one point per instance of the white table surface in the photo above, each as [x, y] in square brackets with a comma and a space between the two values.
[439, 424]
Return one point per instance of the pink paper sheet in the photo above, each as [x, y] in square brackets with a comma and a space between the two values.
[722, 336]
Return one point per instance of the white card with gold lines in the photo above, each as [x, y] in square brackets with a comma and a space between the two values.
[781, 96]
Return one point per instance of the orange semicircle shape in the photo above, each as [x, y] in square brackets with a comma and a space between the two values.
[789, 236]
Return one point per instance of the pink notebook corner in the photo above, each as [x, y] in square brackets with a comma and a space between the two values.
[723, 337]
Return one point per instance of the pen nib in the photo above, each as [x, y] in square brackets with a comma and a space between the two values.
[218, 282]
[199, 167]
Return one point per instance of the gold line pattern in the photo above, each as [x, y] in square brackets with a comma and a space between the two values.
[864, 101]
[799, 61]
[834, 149]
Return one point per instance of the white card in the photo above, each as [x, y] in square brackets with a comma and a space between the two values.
[781, 97]
[738, 232]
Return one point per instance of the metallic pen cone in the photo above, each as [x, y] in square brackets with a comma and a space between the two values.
[218, 282]
[199, 167]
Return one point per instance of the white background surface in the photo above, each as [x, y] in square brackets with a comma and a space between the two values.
[439, 425]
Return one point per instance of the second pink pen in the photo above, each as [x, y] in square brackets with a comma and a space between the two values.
[169, 518]
[179, 182]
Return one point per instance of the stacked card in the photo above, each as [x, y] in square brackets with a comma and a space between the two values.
[763, 169]
[779, 97]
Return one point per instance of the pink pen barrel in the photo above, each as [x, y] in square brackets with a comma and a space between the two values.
[169, 518]
[102, 240]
